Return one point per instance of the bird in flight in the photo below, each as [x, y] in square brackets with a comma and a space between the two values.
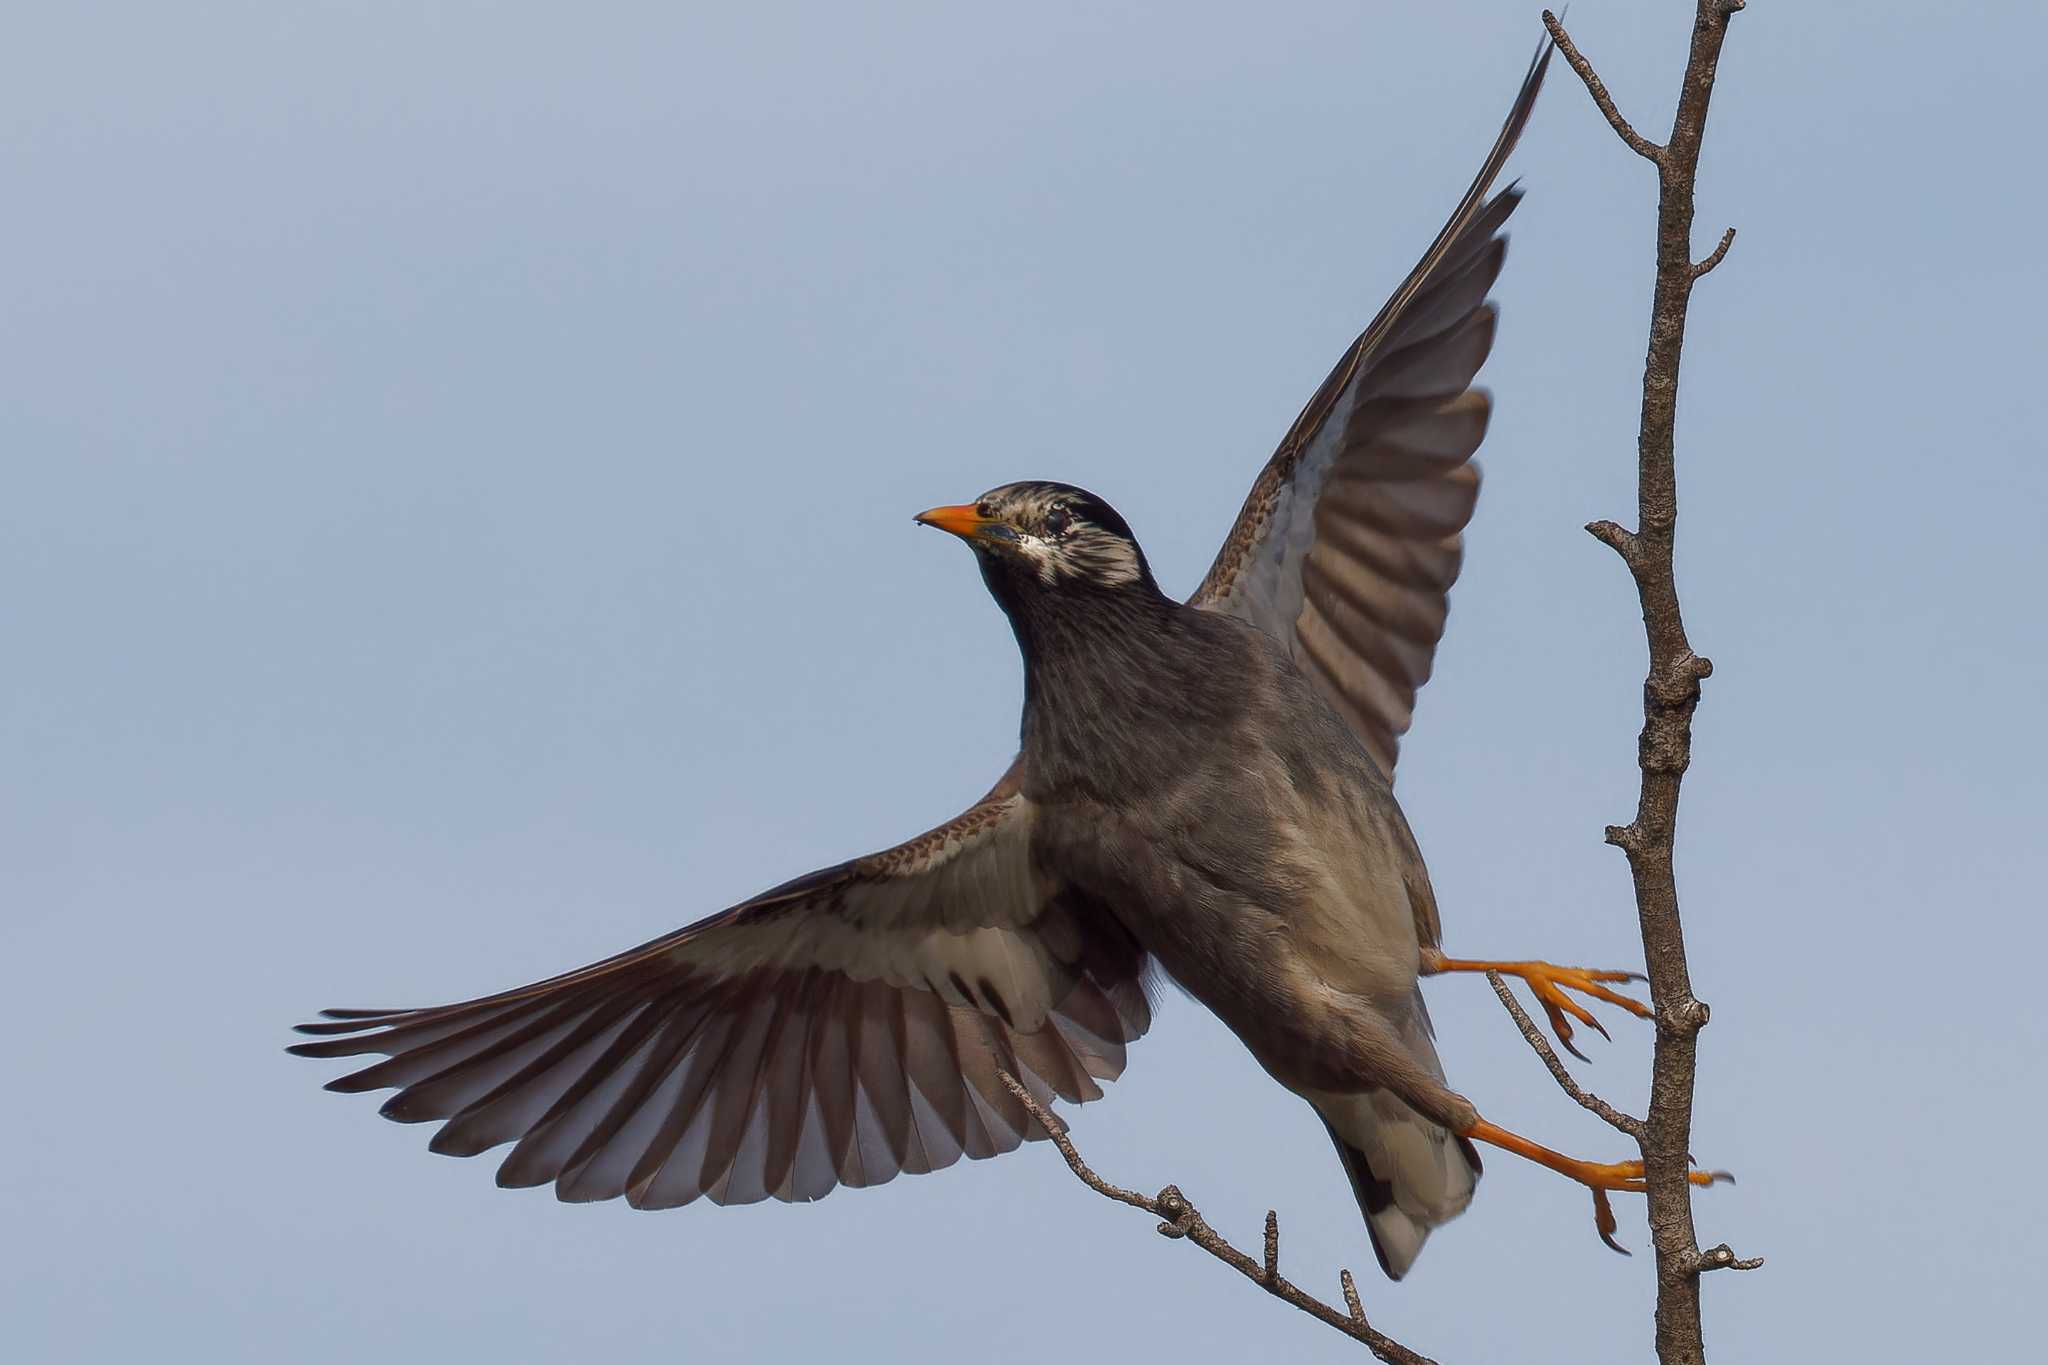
[1203, 788]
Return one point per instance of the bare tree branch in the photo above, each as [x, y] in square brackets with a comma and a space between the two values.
[1627, 1123]
[1614, 537]
[1181, 1220]
[1719, 254]
[1671, 690]
[1597, 88]
[1671, 693]
[1721, 1258]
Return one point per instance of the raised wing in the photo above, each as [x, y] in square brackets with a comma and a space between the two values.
[839, 1030]
[1347, 546]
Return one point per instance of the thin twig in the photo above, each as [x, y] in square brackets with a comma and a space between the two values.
[1056, 1129]
[1181, 1220]
[1716, 256]
[1721, 1258]
[1615, 538]
[1350, 1288]
[1592, 1103]
[1597, 88]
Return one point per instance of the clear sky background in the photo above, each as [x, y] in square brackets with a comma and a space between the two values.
[458, 461]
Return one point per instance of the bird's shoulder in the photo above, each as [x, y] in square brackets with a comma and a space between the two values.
[1284, 712]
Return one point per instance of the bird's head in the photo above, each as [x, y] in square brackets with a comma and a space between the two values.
[1047, 537]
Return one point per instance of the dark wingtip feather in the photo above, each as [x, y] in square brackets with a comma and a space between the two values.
[453, 1141]
[511, 1177]
[330, 1048]
[327, 1027]
[351, 1084]
[404, 1107]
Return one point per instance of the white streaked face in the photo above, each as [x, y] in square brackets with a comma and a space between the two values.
[1064, 533]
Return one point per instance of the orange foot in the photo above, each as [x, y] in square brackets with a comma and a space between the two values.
[1549, 982]
[1599, 1177]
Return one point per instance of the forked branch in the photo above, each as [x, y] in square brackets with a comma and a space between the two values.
[1671, 689]
[1591, 1103]
[1181, 1220]
[1717, 255]
[1671, 692]
[1597, 88]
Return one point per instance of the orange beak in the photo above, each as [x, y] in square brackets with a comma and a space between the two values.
[963, 521]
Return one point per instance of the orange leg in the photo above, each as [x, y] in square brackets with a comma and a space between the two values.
[1548, 982]
[1599, 1177]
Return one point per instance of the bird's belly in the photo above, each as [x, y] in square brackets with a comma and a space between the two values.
[1305, 963]
[1359, 937]
[1352, 920]
[1318, 1012]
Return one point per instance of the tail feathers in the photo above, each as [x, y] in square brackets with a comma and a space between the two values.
[1409, 1175]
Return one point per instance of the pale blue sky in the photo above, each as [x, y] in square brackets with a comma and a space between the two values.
[458, 465]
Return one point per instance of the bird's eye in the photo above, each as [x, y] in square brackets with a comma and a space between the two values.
[1057, 521]
[985, 509]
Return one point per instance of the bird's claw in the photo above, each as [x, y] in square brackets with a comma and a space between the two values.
[1603, 1221]
[1549, 982]
[1598, 1176]
[1628, 1175]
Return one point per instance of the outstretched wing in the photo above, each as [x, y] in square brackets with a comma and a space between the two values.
[1348, 544]
[838, 1030]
